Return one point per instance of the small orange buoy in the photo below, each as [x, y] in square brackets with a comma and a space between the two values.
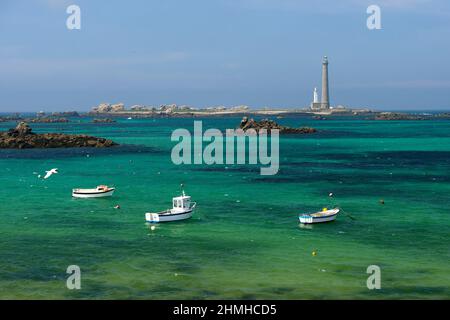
[314, 253]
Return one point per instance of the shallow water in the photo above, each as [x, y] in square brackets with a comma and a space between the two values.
[244, 240]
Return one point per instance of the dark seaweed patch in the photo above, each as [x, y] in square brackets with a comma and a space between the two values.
[280, 290]
[39, 154]
[406, 292]
[397, 158]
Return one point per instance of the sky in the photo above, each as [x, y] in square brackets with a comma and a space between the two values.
[261, 53]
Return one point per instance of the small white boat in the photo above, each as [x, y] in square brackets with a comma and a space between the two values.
[182, 209]
[99, 192]
[322, 216]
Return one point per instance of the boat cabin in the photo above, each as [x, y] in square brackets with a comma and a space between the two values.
[182, 203]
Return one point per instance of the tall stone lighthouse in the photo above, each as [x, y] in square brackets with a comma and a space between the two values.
[325, 103]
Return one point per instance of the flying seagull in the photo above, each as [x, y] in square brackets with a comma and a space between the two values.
[49, 173]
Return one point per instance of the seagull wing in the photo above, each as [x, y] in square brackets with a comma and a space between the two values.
[50, 172]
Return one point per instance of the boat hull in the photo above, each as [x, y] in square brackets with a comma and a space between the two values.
[93, 195]
[157, 218]
[310, 219]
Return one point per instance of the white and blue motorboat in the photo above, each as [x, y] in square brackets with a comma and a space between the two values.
[318, 217]
[99, 192]
[182, 209]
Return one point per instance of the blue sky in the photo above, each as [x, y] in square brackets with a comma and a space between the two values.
[223, 52]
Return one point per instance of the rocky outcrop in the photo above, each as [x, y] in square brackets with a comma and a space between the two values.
[117, 107]
[66, 114]
[270, 125]
[102, 107]
[14, 117]
[445, 115]
[22, 137]
[169, 108]
[46, 120]
[106, 107]
[21, 129]
[103, 120]
[42, 119]
[398, 116]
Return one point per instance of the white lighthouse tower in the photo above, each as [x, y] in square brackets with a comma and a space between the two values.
[316, 105]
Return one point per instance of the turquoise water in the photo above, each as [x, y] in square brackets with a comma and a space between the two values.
[244, 240]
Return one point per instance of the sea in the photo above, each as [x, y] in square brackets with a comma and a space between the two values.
[390, 178]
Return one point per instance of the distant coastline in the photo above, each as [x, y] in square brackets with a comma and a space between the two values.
[173, 110]
[110, 111]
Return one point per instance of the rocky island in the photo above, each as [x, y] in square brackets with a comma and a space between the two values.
[46, 120]
[399, 116]
[270, 125]
[22, 137]
[103, 120]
